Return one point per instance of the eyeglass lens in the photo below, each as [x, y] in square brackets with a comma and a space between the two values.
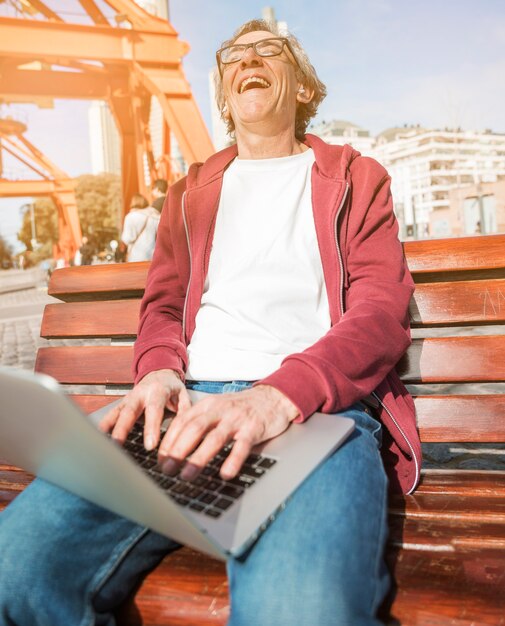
[264, 48]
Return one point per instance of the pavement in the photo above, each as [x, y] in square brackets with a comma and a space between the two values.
[20, 318]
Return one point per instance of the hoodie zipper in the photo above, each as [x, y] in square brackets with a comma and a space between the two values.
[374, 394]
[339, 253]
[190, 267]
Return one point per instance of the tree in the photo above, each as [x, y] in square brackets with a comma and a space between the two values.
[5, 254]
[46, 229]
[98, 203]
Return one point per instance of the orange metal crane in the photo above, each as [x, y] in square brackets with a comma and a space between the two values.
[127, 59]
[53, 182]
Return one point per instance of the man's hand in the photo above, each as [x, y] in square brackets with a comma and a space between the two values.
[155, 392]
[248, 417]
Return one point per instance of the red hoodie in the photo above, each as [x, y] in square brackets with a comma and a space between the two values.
[369, 288]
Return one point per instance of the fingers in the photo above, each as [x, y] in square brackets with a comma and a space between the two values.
[155, 393]
[239, 453]
[197, 435]
[128, 415]
[153, 416]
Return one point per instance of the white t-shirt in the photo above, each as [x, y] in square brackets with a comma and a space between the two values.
[139, 233]
[264, 295]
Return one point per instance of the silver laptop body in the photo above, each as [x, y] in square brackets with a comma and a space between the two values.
[42, 431]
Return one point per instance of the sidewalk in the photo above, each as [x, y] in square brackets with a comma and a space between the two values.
[20, 319]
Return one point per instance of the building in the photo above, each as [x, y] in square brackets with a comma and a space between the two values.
[341, 132]
[427, 165]
[103, 139]
[473, 209]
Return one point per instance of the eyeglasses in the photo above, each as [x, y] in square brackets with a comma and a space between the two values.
[270, 47]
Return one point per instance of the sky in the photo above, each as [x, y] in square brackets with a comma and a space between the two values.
[385, 63]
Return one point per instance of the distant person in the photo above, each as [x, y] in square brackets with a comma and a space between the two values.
[86, 251]
[139, 230]
[158, 192]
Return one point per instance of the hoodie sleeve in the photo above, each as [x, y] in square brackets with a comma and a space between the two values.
[362, 347]
[160, 342]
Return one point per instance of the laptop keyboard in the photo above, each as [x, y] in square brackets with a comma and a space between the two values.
[208, 493]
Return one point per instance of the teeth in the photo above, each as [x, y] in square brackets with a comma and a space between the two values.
[253, 79]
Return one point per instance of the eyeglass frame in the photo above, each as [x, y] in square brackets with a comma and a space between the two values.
[285, 42]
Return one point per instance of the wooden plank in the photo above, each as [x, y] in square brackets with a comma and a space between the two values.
[12, 481]
[87, 365]
[463, 482]
[461, 303]
[442, 506]
[456, 255]
[459, 418]
[188, 588]
[454, 360]
[75, 320]
[90, 403]
[434, 304]
[99, 282]
[434, 360]
[441, 589]
[445, 534]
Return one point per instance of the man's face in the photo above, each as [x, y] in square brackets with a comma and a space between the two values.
[260, 92]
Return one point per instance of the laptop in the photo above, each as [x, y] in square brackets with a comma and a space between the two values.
[42, 431]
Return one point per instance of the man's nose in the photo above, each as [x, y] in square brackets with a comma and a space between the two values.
[250, 59]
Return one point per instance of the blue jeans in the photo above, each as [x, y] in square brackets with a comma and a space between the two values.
[67, 562]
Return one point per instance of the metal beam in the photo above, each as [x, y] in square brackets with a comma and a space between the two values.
[94, 12]
[51, 40]
[138, 16]
[39, 6]
[20, 188]
[20, 85]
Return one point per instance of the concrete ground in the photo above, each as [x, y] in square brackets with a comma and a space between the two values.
[20, 318]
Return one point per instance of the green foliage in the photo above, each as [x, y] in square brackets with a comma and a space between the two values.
[5, 253]
[99, 205]
[46, 223]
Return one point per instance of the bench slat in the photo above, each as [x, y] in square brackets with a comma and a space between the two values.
[434, 304]
[462, 303]
[451, 507]
[89, 403]
[463, 482]
[87, 365]
[433, 360]
[465, 254]
[459, 254]
[449, 419]
[437, 589]
[99, 282]
[76, 320]
[188, 588]
[460, 418]
[445, 535]
[454, 360]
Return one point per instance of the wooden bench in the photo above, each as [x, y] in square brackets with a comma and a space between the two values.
[447, 543]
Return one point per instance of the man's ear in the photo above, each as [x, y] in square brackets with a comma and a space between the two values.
[304, 94]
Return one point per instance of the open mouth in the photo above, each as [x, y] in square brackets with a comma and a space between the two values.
[253, 82]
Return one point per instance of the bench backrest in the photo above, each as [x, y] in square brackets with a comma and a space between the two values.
[457, 314]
